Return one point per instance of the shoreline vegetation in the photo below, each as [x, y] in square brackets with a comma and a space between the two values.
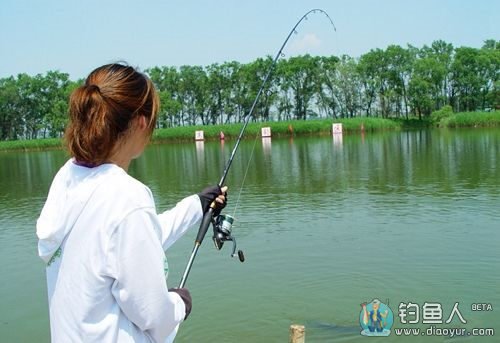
[443, 118]
[430, 83]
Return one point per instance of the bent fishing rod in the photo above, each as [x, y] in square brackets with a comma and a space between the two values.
[222, 224]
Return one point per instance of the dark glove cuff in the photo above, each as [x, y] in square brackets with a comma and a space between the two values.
[186, 297]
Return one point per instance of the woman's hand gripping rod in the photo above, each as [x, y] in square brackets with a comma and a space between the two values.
[222, 229]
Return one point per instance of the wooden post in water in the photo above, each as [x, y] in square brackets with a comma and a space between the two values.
[297, 333]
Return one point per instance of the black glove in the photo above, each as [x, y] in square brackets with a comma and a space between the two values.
[208, 195]
[186, 297]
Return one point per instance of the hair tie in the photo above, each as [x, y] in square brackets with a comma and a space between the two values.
[93, 87]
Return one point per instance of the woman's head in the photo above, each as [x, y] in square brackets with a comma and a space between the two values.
[103, 109]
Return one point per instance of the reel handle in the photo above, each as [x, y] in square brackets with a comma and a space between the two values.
[241, 256]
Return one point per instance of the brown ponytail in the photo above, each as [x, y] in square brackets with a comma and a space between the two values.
[101, 111]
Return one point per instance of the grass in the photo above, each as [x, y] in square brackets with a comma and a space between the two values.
[31, 144]
[293, 127]
[278, 129]
[471, 119]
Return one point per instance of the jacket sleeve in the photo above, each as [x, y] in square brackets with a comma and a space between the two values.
[176, 221]
[135, 260]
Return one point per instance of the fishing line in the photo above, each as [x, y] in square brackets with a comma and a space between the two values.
[282, 55]
[245, 175]
[222, 227]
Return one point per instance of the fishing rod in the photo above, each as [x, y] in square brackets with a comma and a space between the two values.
[223, 223]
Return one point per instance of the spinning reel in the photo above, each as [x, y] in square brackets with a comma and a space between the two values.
[222, 225]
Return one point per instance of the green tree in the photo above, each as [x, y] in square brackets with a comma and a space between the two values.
[373, 69]
[440, 55]
[233, 95]
[470, 71]
[253, 76]
[347, 87]
[428, 87]
[11, 111]
[220, 91]
[193, 94]
[326, 86]
[56, 89]
[490, 66]
[491, 44]
[301, 75]
[399, 64]
[167, 82]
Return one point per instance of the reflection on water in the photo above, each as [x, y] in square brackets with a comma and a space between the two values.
[266, 146]
[404, 216]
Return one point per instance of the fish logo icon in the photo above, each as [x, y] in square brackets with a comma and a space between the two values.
[376, 318]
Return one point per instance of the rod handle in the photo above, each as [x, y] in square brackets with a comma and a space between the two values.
[205, 223]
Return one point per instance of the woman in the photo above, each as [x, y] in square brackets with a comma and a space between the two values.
[99, 232]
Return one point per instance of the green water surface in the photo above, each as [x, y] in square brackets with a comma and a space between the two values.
[326, 224]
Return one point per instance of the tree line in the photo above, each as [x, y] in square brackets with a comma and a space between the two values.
[395, 82]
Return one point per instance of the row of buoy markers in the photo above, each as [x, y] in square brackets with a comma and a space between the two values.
[265, 132]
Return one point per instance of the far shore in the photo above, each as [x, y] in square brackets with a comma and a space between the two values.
[288, 128]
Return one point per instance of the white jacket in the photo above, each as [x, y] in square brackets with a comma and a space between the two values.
[104, 244]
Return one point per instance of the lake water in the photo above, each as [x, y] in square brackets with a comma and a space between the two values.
[325, 224]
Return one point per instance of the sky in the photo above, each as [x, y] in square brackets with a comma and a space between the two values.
[75, 36]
